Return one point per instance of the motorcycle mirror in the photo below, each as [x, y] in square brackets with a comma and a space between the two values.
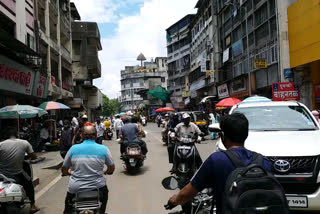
[215, 127]
[170, 183]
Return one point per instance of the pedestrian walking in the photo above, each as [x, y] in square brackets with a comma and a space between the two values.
[118, 124]
[100, 130]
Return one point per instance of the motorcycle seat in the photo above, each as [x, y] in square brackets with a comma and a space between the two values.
[87, 196]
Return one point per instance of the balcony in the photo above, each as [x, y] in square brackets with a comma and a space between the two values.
[66, 54]
[94, 66]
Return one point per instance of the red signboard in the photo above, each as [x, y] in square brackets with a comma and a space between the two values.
[66, 86]
[285, 91]
[19, 77]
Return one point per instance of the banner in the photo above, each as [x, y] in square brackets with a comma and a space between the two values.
[204, 62]
[285, 91]
[237, 48]
[223, 91]
[225, 55]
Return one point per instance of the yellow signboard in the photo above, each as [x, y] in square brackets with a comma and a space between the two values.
[143, 70]
[260, 63]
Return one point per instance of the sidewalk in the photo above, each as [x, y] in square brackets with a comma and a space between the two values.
[47, 170]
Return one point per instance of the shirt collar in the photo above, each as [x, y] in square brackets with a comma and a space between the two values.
[89, 141]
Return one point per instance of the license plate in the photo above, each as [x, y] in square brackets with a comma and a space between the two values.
[297, 201]
[131, 160]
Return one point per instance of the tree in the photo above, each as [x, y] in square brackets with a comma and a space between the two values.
[109, 106]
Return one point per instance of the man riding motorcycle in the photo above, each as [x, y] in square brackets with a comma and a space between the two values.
[165, 130]
[129, 134]
[85, 164]
[187, 127]
[12, 154]
[171, 125]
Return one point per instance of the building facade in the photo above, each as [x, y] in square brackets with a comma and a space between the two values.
[178, 50]
[86, 67]
[137, 80]
[22, 77]
[55, 46]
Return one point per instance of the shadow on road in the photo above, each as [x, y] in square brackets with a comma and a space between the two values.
[138, 172]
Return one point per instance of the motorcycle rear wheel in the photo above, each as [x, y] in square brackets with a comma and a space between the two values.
[12, 209]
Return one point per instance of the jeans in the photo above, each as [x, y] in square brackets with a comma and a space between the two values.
[103, 196]
[27, 185]
[99, 139]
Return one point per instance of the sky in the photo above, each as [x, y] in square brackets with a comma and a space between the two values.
[128, 28]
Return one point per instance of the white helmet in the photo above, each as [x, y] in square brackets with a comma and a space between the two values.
[185, 116]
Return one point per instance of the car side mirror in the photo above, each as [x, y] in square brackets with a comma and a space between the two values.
[170, 183]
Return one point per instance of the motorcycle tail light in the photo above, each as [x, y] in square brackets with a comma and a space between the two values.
[133, 152]
[1, 189]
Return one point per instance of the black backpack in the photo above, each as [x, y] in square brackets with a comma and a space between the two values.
[252, 190]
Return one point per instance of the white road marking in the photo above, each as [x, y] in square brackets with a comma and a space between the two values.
[46, 188]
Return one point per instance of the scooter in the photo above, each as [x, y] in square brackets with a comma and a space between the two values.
[133, 158]
[184, 158]
[108, 134]
[86, 201]
[143, 120]
[12, 195]
[201, 203]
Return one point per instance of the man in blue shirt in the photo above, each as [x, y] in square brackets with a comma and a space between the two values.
[86, 163]
[216, 169]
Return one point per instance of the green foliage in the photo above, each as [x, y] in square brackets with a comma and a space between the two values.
[109, 106]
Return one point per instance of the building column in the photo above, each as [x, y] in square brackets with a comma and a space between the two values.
[59, 46]
[21, 31]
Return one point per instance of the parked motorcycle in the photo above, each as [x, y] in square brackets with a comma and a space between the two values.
[108, 134]
[133, 158]
[184, 158]
[12, 195]
[201, 203]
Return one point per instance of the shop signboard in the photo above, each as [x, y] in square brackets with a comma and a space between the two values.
[225, 55]
[16, 80]
[317, 92]
[260, 63]
[237, 48]
[223, 91]
[204, 61]
[238, 85]
[40, 88]
[285, 91]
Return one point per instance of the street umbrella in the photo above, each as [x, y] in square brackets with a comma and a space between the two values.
[255, 99]
[165, 109]
[228, 102]
[21, 112]
[160, 93]
[51, 105]
[122, 114]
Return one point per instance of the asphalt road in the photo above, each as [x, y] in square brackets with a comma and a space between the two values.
[128, 194]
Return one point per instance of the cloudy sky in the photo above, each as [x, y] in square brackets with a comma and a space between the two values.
[128, 27]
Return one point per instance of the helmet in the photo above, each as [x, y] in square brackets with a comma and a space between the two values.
[185, 116]
[84, 117]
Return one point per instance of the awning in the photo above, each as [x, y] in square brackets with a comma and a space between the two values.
[11, 43]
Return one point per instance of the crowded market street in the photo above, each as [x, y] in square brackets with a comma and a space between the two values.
[140, 193]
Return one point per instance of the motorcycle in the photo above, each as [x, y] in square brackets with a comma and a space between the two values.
[201, 203]
[108, 134]
[184, 158]
[86, 201]
[133, 158]
[12, 195]
[143, 120]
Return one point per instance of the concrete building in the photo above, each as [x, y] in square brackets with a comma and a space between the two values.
[22, 77]
[55, 46]
[137, 80]
[178, 49]
[204, 52]
[86, 66]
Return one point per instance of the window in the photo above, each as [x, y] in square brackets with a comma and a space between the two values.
[30, 41]
[261, 33]
[261, 15]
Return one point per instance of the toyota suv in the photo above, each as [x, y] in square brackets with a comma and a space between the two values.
[288, 134]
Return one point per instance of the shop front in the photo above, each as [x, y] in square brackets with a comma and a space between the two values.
[239, 88]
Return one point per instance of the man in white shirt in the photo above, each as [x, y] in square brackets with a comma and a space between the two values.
[118, 125]
[75, 123]
[100, 130]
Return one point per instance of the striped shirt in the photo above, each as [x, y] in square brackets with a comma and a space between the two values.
[87, 162]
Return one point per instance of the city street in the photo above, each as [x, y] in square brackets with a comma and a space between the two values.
[138, 194]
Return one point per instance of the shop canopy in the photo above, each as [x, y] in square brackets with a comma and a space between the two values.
[160, 93]
[21, 112]
[51, 105]
[228, 102]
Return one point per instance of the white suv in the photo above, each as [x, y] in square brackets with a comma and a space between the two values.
[288, 134]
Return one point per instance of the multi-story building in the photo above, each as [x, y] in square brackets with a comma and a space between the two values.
[22, 78]
[135, 79]
[55, 46]
[203, 52]
[178, 50]
[86, 66]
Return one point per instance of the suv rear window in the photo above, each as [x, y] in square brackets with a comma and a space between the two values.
[278, 118]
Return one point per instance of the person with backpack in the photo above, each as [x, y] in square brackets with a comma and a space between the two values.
[66, 138]
[241, 179]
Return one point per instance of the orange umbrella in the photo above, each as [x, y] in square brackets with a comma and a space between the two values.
[165, 109]
[228, 102]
